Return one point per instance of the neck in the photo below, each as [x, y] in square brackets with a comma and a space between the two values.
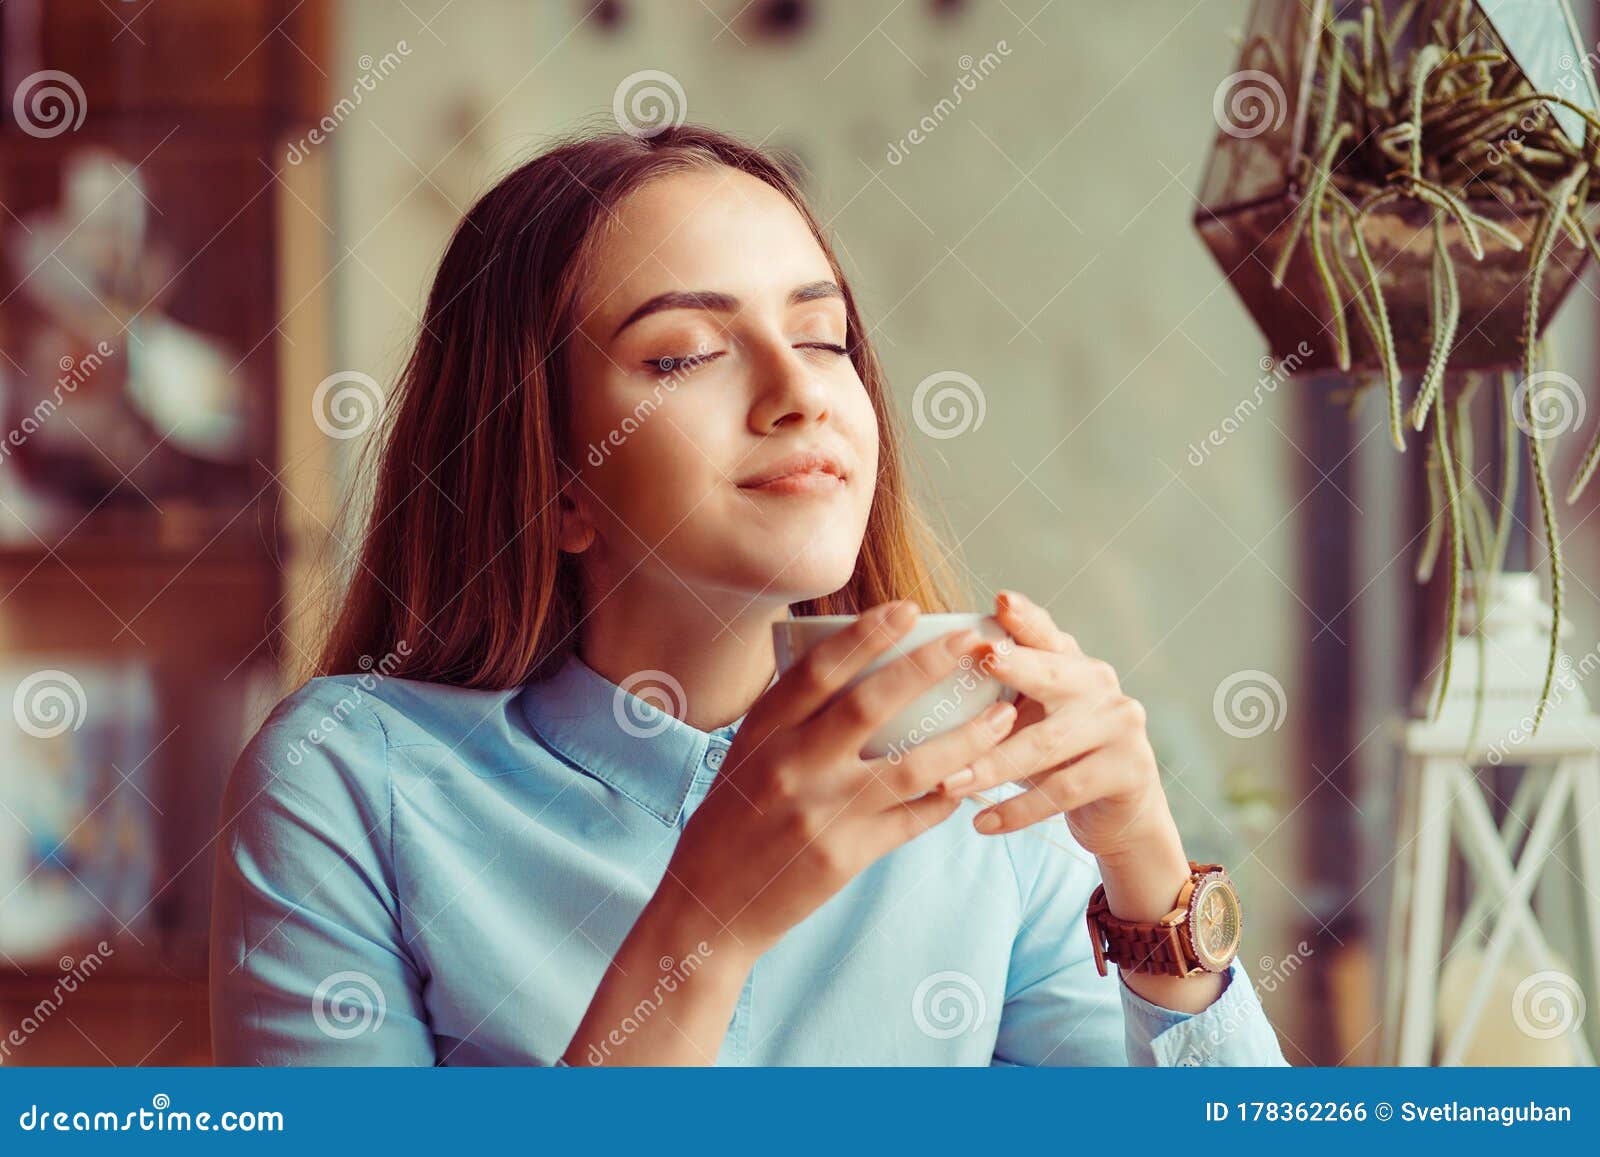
[717, 648]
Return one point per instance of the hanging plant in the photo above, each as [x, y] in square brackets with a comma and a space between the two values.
[1423, 124]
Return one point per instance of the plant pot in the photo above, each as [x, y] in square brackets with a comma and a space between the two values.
[1247, 241]
[1266, 114]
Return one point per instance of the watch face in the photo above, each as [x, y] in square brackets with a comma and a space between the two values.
[1214, 919]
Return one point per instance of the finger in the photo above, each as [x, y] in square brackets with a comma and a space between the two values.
[906, 821]
[1050, 677]
[853, 717]
[915, 771]
[829, 665]
[1096, 776]
[1039, 747]
[1030, 624]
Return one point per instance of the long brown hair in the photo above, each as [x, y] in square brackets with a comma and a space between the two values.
[459, 578]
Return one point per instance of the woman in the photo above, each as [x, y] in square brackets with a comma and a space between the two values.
[642, 422]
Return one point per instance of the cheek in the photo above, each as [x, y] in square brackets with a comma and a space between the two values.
[635, 454]
[860, 422]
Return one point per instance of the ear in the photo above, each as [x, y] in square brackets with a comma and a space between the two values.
[577, 533]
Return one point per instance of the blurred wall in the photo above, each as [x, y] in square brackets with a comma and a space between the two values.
[1037, 239]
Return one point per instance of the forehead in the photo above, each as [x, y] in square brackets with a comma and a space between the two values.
[702, 229]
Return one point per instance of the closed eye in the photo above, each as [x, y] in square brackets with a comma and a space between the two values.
[673, 364]
[823, 345]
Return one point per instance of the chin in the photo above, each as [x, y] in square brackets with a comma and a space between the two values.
[818, 578]
[802, 572]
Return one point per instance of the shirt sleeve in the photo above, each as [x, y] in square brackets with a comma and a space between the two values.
[308, 959]
[1059, 1010]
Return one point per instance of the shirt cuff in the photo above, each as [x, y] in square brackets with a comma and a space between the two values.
[1232, 1030]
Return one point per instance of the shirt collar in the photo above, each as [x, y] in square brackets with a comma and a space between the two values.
[619, 738]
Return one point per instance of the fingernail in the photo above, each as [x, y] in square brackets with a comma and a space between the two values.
[901, 614]
[986, 822]
[959, 779]
[1003, 599]
[961, 642]
[998, 715]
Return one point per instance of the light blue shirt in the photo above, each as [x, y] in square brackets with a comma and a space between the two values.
[415, 874]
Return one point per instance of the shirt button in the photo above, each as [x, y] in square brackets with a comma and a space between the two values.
[714, 758]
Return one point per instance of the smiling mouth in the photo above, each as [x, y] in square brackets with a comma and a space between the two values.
[811, 481]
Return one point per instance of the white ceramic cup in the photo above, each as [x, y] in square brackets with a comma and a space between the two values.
[947, 704]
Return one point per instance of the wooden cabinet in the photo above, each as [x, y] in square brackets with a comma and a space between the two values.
[180, 564]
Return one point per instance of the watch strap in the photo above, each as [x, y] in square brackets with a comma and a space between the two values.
[1157, 948]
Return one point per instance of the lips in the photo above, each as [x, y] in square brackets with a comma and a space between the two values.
[806, 470]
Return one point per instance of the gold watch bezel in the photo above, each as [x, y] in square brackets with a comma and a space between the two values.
[1211, 879]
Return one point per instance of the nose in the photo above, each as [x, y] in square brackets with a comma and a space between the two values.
[788, 392]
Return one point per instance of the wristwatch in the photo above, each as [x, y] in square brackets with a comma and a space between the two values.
[1200, 934]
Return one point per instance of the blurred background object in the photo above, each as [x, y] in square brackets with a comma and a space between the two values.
[141, 552]
[219, 223]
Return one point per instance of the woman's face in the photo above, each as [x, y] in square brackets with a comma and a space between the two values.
[720, 434]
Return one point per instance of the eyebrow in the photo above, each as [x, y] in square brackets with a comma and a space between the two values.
[715, 302]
